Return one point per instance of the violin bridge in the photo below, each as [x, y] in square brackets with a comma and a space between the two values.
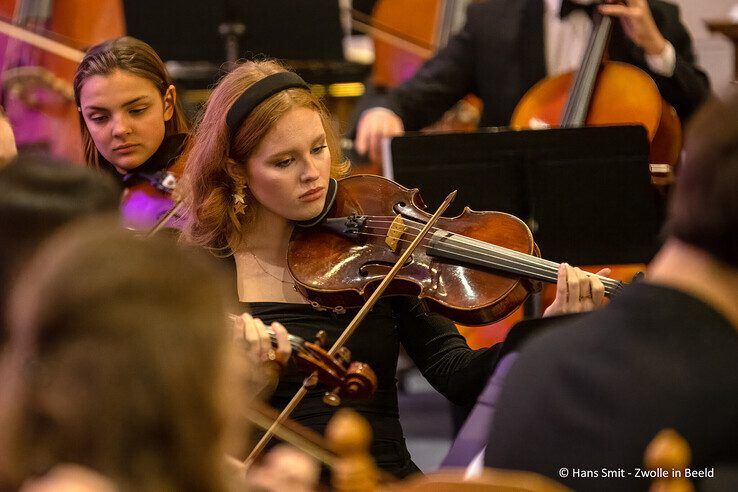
[396, 230]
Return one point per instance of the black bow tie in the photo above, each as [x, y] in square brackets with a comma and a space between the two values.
[567, 7]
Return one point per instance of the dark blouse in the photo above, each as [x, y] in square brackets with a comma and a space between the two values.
[432, 341]
[151, 170]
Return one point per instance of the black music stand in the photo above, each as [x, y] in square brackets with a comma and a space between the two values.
[585, 192]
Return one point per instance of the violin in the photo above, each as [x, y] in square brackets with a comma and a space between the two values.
[333, 368]
[475, 268]
[358, 317]
[148, 205]
[150, 202]
[352, 379]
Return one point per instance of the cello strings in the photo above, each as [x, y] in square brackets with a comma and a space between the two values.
[541, 266]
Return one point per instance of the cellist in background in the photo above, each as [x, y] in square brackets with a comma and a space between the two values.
[507, 46]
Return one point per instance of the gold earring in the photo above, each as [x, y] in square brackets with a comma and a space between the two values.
[239, 205]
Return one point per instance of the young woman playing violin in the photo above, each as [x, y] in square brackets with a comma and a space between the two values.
[260, 160]
[134, 128]
[132, 124]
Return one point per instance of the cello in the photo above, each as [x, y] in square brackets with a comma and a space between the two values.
[604, 93]
[37, 91]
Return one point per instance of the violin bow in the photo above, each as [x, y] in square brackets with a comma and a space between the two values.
[341, 341]
[302, 438]
[364, 24]
[41, 42]
[165, 218]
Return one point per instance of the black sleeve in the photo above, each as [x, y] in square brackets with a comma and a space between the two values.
[688, 86]
[442, 354]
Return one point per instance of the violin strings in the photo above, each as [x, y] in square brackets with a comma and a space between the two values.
[295, 342]
[520, 261]
[482, 244]
[547, 269]
[532, 268]
[488, 246]
[492, 247]
[527, 268]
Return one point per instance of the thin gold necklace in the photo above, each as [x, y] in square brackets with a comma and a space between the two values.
[266, 271]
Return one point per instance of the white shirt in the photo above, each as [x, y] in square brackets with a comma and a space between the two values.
[566, 41]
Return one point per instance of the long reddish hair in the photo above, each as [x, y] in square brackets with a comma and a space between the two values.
[214, 170]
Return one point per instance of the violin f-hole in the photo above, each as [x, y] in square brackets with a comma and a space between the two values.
[379, 269]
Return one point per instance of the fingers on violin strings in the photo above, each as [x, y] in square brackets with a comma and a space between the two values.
[562, 289]
[573, 286]
[598, 290]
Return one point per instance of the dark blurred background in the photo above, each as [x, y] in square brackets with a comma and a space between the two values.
[198, 39]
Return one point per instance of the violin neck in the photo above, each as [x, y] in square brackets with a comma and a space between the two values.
[466, 250]
[580, 95]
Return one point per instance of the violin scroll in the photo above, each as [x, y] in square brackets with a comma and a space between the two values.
[355, 380]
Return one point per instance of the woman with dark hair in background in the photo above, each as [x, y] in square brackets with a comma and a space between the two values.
[132, 123]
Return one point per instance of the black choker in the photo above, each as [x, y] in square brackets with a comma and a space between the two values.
[260, 91]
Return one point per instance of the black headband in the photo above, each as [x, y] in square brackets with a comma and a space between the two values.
[260, 91]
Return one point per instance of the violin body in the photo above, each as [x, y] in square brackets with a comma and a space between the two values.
[331, 269]
[144, 205]
[150, 200]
